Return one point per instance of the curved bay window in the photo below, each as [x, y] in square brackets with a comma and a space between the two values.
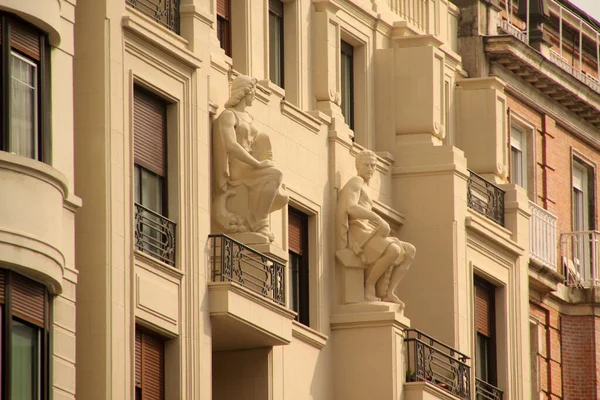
[24, 60]
[24, 310]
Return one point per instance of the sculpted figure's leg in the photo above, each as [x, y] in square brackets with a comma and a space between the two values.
[261, 198]
[399, 272]
[384, 282]
[375, 271]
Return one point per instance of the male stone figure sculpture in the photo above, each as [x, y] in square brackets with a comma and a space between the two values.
[386, 259]
[248, 186]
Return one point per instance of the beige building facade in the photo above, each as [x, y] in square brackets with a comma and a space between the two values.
[184, 164]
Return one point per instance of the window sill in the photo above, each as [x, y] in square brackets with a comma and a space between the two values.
[308, 335]
[152, 262]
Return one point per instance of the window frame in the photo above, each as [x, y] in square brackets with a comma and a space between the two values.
[303, 273]
[491, 340]
[280, 52]
[588, 191]
[42, 140]
[347, 53]
[528, 149]
[147, 333]
[223, 26]
[8, 318]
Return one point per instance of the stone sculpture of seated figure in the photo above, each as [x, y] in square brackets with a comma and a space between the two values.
[248, 186]
[385, 259]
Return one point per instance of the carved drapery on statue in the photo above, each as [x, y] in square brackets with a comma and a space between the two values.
[247, 184]
[363, 239]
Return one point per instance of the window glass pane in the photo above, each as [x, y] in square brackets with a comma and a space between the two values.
[23, 107]
[137, 185]
[295, 260]
[152, 191]
[482, 357]
[25, 362]
[517, 167]
[275, 49]
[347, 81]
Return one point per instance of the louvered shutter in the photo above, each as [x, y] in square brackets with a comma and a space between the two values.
[224, 8]
[2, 290]
[149, 143]
[295, 232]
[482, 310]
[28, 299]
[25, 39]
[152, 368]
[138, 358]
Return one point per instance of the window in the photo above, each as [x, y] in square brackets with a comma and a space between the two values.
[25, 95]
[518, 156]
[485, 346]
[299, 268]
[224, 25]
[534, 346]
[347, 81]
[583, 199]
[154, 234]
[24, 307]
[276, 42]
[149, 365]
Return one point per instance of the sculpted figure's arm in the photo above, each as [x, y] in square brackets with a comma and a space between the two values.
[227, 124]
[357, 211]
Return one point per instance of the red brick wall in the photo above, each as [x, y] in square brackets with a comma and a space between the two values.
[580, 356]
[549, 354]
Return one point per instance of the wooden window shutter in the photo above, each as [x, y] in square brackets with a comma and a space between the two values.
[152, 368]
[482, 310]
[149, 143]
[224, 9]
[25, 39]
[296, 227]
[2, 290]
[138, 358]
[28, 299]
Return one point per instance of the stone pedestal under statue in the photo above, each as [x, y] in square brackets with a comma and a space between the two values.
[369, 354]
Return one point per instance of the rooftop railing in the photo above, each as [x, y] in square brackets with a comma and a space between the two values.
[509, 28]
[485, 198]
[486, 391]
[432, 361]
[233, 261]
[580, 252]
[154, 234]
[542, 236]
[165, 12]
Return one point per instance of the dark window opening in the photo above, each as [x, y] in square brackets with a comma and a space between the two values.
[276, 60]
[299, 266]
[347, 81]
[485, 346]
[224, 25]
[149, 365]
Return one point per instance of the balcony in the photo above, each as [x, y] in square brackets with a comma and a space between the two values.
[154, 235]
[431, 361]
[511, 29]
[485, 198]
[542, 236]
[486, 391]
[165, 12]
[579, 253]
[247, 297]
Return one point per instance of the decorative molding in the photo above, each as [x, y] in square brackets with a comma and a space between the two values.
[152, 264]
[164, 39]
[302, 118]
[308, 335]
[491, 232]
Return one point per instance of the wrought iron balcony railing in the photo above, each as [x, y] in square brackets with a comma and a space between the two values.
[580, 252]
[233, 261]
[165, 12]
[486, 391]
[154, 234]
[542, 236]
[485, 198]
[434, 362]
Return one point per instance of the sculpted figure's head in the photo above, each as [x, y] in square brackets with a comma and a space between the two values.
[242, 89]
[366, 163]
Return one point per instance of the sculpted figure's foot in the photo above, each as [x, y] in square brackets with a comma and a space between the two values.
[266, 232]
[370, 293]
[392, 298]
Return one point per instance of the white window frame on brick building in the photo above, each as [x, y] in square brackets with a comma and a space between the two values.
[522, 153]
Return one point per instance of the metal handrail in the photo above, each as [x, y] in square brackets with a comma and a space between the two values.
[485, 198]
[435, 362]
[233, 261]
[154, 234]
[165, 12]
[487, 391]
